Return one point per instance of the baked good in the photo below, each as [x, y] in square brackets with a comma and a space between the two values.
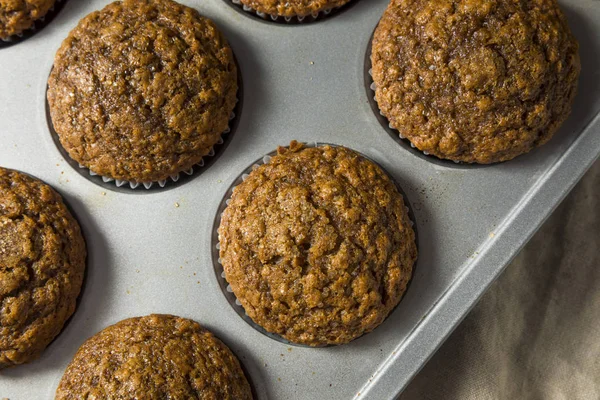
[42, 262]
[317, 245]
[19, 15]
[292, 8]
[142, 89]
[477, 81]
[154, 357]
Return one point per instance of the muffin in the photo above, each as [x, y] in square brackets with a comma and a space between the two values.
[154, 357]
[477, 81]
[142, 90]
[19, 15]
[317, 245]
[292, 8]
[42, 262]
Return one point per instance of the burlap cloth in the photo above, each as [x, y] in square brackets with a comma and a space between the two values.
[536, 333]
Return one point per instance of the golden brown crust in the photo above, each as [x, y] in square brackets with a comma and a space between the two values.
[154, 358]
[317, 245]
[142, 89]
[293, 8]
[19, 15]
[475, 80]
[42, 261]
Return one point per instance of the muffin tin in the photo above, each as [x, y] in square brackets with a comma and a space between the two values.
[152, 254]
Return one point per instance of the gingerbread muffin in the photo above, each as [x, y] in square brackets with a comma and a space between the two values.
[317, 245]
[154, 357]
[142, 90]
[19, 15]
[292, 8]
[477, 81]
[42, 262]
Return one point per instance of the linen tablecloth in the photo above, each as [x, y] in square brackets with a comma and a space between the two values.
[536, 333]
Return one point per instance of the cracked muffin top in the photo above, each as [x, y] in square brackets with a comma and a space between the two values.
[154, 358]
[42, 262]
[317, 245]
[293, 8]
[19, 15]
[477, 81]
[142, 89]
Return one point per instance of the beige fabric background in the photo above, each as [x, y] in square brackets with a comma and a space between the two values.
[536, 333]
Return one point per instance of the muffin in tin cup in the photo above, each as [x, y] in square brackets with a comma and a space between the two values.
[154, 357]
[317, 245]
[291, 11]
[42, 266]
[19, 18]
[475, 81]
[142, 90]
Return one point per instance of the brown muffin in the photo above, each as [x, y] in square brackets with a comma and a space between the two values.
[154, 357]
[19, 15]
[477, 81]
[42, 261]
[292, 8]
[142, 89]
[317, 245]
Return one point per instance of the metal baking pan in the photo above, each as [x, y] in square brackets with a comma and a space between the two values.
[152, 253]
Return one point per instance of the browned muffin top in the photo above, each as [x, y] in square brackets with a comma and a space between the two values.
[293, 8]
[475, 80]
[317, 245]
[42, 261]
[154, 358]
[142, 89]
[19, 15]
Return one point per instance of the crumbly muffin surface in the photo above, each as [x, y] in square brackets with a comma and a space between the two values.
[317, 245]
[154, 358]
[142, 89]
[475, 80]
[19, 15]
[42, 262]
[293, 8]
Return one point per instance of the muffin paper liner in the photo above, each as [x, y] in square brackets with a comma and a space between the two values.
[37, 26]
[290, 20]
[216, 245]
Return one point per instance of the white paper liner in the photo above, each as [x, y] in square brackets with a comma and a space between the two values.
[33, 28]
[298, 18]
[173, 178]
[217, 246]
[373, 87]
